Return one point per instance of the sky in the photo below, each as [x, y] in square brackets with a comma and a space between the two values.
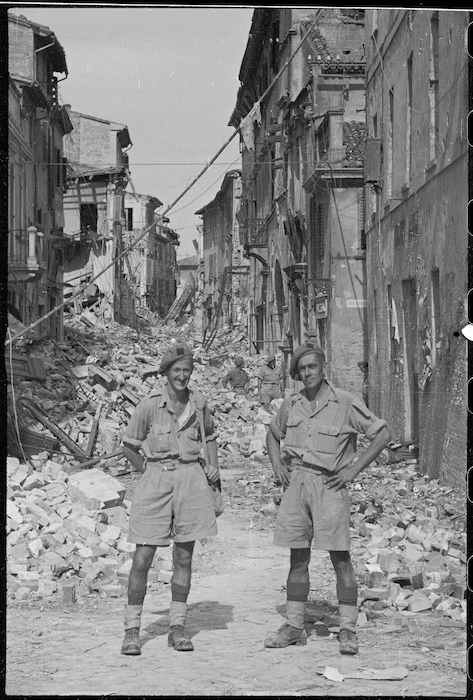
[170, 74]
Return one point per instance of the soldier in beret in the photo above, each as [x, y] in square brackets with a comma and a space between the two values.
[319, 426]
[172, 500]
[237, 377]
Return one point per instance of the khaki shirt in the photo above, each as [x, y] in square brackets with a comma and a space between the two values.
[155, 428]
[270, 376]
[237, 377]
[324, 437]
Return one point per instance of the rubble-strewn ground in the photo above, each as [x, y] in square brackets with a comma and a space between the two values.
[237, 597]
[68, 558]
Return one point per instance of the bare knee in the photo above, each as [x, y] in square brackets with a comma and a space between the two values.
[182, 554]
[300, 559]
[143, 557]
[343, 567]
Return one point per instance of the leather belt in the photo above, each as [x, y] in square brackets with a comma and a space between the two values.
[168, 465]
[299, 464]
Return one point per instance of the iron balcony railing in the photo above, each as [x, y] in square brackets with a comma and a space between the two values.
[254, 233]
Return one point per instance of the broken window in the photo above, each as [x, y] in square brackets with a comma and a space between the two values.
[88, 217]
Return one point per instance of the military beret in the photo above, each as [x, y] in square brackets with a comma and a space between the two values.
[178, 351]
[302, 350]
[238, 360]
[270, 358]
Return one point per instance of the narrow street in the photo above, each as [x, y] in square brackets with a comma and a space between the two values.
[300, 302]
[237, 598]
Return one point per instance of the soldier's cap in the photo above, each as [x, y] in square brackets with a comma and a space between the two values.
[304, 349]
[270, 358]
[178, 351]
[238, 360]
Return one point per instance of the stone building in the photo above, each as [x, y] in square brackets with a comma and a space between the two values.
[300, 111]
[150, 266]
[225, 270]
[37, 124]
[94, 211]
[416, 229]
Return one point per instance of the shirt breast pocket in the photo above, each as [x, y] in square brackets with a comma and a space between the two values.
[159, 438]
[327, 438]
[295, 431]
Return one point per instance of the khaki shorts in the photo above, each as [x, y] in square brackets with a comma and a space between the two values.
[310, 511]
[172, 504]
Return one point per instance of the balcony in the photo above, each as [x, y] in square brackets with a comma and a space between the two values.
[25, 255]
[254, 233]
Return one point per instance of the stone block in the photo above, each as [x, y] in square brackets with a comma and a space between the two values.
[22, 593]
[33, 481]
[125, 546]
[111, 534]
[419, 602]
[13, 463]
[19, 552]
[95, 489]
[375, 594]
[13, 512]
[165, 576]
[110, 590]
[46, 588]
[19, 475]
[54, 471]
[389, 563]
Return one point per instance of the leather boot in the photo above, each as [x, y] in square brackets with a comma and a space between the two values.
[132, 618]
[348, 642]
[285, 636]
[131, 644]
[347, 636]
[178, 639]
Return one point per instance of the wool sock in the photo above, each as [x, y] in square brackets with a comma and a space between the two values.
[297, 594]
[177, 613]
[347, 607]
[132, 616]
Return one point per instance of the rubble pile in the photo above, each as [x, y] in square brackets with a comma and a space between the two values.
[80, 400]
[411, 539]
[66, 534]
[67, 515]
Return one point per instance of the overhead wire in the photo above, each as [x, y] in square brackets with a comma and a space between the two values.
[11, 339]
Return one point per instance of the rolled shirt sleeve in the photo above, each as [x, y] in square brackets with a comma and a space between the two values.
[139, 424]
[363, 421]
[279, 421]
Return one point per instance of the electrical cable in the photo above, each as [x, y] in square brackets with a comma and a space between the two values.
[169, 207]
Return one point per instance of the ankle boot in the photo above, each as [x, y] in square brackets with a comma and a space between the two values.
[132, 618]
[131, 643]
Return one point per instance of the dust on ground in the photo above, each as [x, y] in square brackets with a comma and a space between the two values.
[237, 598]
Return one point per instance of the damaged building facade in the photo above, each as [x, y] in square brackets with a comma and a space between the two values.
[301, 214]
[103, 219]
[150, 266]
[37, 125]
[225, 278]
[94, 211]
[416, 229]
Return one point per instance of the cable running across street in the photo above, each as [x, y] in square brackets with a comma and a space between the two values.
[57, 308]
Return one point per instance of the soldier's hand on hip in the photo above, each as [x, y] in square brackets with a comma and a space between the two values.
[341, 478]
